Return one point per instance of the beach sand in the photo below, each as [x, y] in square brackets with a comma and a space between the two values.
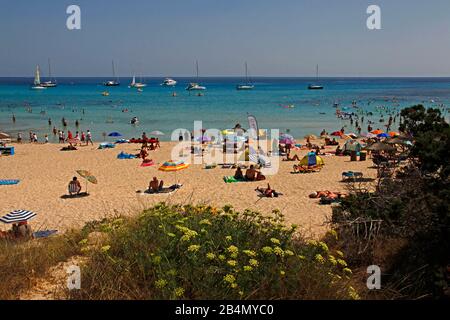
[45, 172]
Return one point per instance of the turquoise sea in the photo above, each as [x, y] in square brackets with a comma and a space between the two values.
[221, 107]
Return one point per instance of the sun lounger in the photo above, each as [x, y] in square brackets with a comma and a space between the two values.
[351, 175]
[8, 182]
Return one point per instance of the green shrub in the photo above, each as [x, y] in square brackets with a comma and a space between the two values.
[186, 252]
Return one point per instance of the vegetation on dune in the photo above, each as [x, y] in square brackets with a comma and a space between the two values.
[413, 244]
[187, 252]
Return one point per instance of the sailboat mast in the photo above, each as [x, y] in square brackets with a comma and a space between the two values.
[49, 70]
[246, 72]
[317, 72]
[37, 76]
[196, 65]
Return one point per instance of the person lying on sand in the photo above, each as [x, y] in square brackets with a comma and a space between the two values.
[74, 186]
[155, 185]
[326, 194]
[269, 192]
[294, 158]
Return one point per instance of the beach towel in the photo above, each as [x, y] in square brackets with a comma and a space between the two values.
[8, 182]
[351, 174]
[232, 179]
[122, 141]
[44, 234]
[168, 190]
[125, 156]
[148, 163]
[107, 146]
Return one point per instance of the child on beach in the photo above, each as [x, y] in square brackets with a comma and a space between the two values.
[89, 138]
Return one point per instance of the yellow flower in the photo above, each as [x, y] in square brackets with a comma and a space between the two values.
[275, 241]
[312, 243]
[289, 253]
[229, 238]
[234, 285]
[353, 294]
[161, 283]
[333, 234]
[205, 222]
[194, 248]
[172, 235]
[232, 263]
[319, 258]
[278, 251]
[157, 260]
[248, 268]
[301, 257]
[332, 260]
[234, 255]
[233, 249]
[222, 257]
[179, 292]
[250, 253]
[106, 248]
[254, 262]
[229, 278]
[267, 250]
[323, 246]
[172, 272]
[210, 256]
[282, 273]
[342, 262]
[340, 253]
[347, 270]
[82, 242]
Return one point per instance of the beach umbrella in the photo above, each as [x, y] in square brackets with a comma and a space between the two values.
[383, 135]
[369, 135]
[114, 134]
[380, 146]
[174, 166]
[18, 216]
[89, 177]
[4, 135]
[337, 134]
[394, 134]
[287, 139]
[377, 132]
[157, 133]
[352, 135]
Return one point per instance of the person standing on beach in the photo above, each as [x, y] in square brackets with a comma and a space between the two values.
[35, 138]
[54, 131]
[46, 139]
[83, 137]
[49, 122]
[89, 138]
[14, 118]
[31, 137]
[19, 137]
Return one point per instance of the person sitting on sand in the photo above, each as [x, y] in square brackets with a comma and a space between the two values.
[143, 154]
[251, 173]
[74, 186]
[260, 176]
[269, 192]
[155, 185]
[22, 231]
[239, 175]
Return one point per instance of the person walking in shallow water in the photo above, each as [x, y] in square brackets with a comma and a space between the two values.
[14, 118]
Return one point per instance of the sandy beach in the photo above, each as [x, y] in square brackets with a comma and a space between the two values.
[45, 172]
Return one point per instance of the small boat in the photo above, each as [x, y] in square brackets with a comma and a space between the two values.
[51, 83]
[37, 80]
[112, 83]
[168, 82]
[316, 86]
[195, 86]
[138, 85]
[247, 85]
[105, 93]
[140, 90]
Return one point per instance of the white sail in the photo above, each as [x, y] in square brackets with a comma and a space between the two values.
[133, 83]
[37, 77]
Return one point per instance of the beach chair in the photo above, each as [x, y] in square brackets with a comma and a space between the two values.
[350, 175]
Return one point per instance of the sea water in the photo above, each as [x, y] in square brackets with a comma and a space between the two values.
[278, 103]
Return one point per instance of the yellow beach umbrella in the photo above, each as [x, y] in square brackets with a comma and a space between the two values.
[173, 166]
[89, 177]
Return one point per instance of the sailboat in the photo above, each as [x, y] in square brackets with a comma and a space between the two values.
[51, 83]
[37, 80]
[112, 83]
[138, 85]
[316, 86]
[247, 85]
[193, 86]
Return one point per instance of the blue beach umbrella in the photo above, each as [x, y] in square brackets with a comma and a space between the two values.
[383, 135]
[115, 134]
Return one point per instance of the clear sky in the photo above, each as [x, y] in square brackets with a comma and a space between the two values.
[276, 37]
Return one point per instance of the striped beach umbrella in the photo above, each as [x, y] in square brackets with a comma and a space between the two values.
[18, 216]
[157, 133]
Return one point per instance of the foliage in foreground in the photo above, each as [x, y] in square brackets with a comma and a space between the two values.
[22, 263]
[186, 252]
[414, 206]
